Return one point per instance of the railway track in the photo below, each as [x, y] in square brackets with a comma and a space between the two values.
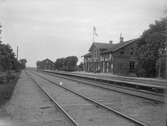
[70, 119]
[145, 109]
[97, 105]
[148, 87]
[157, 97]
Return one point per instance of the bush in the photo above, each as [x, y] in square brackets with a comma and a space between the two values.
[3, 79]
[7, 87]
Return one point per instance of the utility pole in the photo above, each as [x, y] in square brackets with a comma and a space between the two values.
[17, 52]
[0, 31]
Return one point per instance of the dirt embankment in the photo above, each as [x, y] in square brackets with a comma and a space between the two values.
[29, 106]
[7, 84]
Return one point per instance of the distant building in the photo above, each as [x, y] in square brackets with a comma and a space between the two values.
[46, 64]
[114, 58]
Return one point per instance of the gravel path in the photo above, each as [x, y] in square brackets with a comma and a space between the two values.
[151, 112]
[30, 107]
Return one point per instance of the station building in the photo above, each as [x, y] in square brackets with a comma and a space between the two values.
[45, 64]
[117, 58]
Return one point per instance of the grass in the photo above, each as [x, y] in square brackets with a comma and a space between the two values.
[7, 86]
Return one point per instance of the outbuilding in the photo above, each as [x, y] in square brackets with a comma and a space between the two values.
[46, 64]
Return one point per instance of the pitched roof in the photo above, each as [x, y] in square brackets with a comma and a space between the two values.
[109, 47]
[47, 60]
[100, 45]
[118, 46]
[86, 55]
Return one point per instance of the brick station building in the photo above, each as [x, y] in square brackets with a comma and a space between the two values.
[117, 58]
[46, 64]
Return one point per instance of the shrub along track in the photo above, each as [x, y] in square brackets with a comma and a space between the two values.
[7, 86]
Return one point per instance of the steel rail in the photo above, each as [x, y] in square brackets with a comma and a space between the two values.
[111, 88]
[115, 81]
[54, 101]
[91, 81]
[97, 103]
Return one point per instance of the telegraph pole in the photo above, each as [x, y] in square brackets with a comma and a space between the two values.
[17, 52]
[0, 31]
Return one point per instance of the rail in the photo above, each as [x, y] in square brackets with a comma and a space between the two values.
[97, 103]
[54, 101]
[136, 85]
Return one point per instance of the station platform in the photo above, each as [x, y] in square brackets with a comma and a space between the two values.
[150, 81]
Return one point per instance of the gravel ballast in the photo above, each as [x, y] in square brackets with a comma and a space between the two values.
[84, 112]
[150, 112]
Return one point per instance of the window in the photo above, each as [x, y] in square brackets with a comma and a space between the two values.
[122, 52]
[131, 66]
[131, 51]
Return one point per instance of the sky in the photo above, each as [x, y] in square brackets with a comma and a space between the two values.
[60, 28]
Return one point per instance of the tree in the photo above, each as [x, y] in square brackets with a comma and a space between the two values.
[23, 63]
[8, 61]
[59, 64]
[151, 41]
[70, 63]
[7, 57]
[67, 64]
[38, 64]
[81, 66]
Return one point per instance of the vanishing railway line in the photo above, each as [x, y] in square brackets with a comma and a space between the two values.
[153, 96]
[151, 86]
[91, 111]
[142, 108]
[71, 121]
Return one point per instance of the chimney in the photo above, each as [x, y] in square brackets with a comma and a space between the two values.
[121, 38]
[110, 42]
